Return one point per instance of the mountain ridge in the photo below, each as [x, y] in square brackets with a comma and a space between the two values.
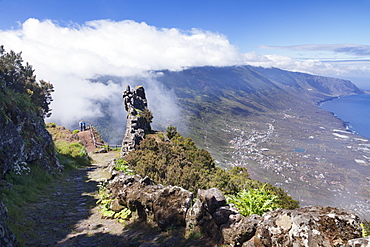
[246, 92]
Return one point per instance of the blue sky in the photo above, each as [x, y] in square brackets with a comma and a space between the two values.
[247, 24]
[81, 39]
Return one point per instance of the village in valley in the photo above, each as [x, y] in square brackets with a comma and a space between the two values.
[312, 167]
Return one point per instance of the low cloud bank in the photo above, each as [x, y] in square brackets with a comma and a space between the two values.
[76, 58]
[353, 49]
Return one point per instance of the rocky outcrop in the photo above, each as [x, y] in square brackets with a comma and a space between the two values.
[210, 215]
[24, 141]
[166, 205]
[359, 242]
[308, 226]
[137, 123]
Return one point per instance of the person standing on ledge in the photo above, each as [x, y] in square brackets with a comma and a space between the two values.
[82, 125]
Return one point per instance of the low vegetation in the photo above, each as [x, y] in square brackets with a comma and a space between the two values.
[25, 188]
[179, 162]
[105, 201]
[122, 165]
[254, 201]
[365, 228]
[70, 152]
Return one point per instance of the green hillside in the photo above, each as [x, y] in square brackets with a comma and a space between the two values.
[214, 99]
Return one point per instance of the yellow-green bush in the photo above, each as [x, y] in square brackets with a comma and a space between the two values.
[254, 201]
[365, 228]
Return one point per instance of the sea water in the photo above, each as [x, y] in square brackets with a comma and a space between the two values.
[354, 110]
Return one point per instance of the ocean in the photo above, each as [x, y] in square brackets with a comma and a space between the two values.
[354, 110]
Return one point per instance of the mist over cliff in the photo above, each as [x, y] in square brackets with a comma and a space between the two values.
[173, 96]
[111, 119]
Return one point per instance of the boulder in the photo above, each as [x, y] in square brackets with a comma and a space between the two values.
[171, 206]
[359, 242]
[208, 213]
[212, 199]
[222, 215]
[308, 226]
[24, 140]
[199, 220]
[166, 205]
[240, 229]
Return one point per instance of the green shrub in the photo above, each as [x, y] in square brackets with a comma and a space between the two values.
[365, 228]
[19, 86]
[122, 165]
[181, 163]
[104, 202]
[72, 154]
[254, 201]
[171, 131]
[75, 132]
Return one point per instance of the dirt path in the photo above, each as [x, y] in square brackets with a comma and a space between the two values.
[67, 214]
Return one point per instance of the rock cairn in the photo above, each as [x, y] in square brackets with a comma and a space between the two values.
[135, 104]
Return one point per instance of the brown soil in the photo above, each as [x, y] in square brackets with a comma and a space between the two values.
[85, 138]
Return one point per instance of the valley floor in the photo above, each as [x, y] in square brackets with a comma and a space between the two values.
[308, 154]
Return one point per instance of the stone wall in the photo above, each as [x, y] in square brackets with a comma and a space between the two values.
[210, 215]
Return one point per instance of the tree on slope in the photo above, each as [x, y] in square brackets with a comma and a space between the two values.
[19, 86]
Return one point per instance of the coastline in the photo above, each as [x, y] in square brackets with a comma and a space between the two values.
[346, 123]
[328, 99]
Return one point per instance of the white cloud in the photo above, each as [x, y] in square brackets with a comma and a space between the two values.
[311, 66]
[70, 56]
[354, 49]
[327, 59]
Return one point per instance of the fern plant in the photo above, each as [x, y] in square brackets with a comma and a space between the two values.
[254, 201]
[122, 165]
[105, 201]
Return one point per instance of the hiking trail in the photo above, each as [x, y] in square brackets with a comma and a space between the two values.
[67, 214]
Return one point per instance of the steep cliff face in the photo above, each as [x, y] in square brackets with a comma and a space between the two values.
[24, 102]
[24, 141]
[138, 118]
